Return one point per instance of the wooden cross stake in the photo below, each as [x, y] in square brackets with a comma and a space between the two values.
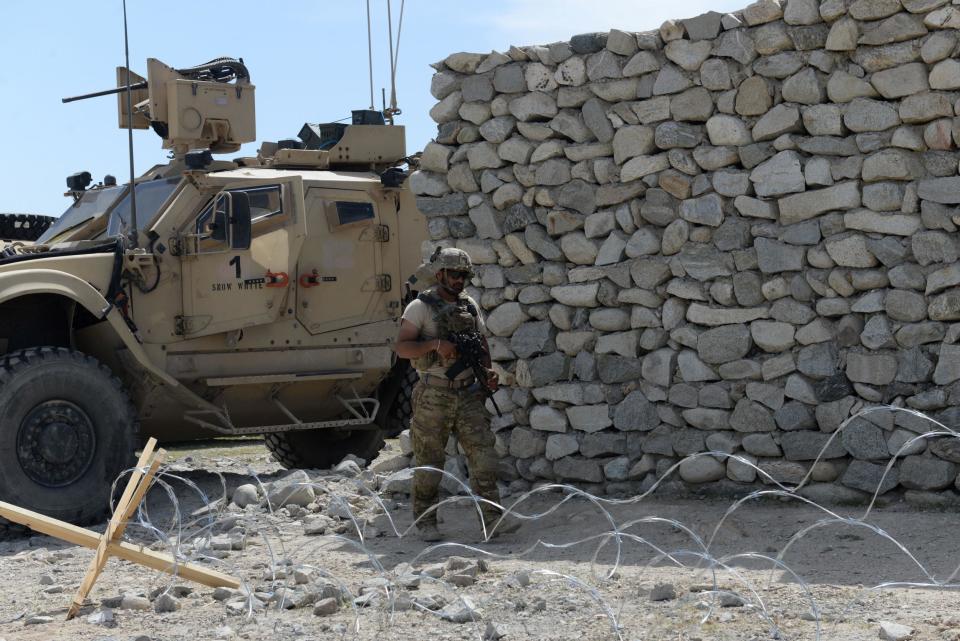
[109, 544]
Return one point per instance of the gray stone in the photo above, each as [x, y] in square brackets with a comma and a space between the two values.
[807, 38]
[293, 489]
[631, 142]
[810, 446]
[934, 247]
[723, 129]
[782, 174]
[687, 54]
[794, 416]
[641, 63]
[702, 469]
[547, 419]
[926, 473]
[779, 65]
[948, 365]
[938, 46]
[612, 368]
[532, 106]
[635, 413]
[703, 315]
[575, 469]
[901, 81]
[749, 416]
[670, 80]
[671, 135]
[509, 79]
[724, 344]
[774, 256]
[818, 361]
[561, 445]
[843, 35]
[715, 75]
[850, 250]
[940, 190]
[864, 440]
[658, 367]
[706, 26]
[707, 210]
[870, 478]
[863, 114]
[707, 419]
[753, 97]
[872, 369]
[641, 166]
[245, 495]
[693, 105]
[736, 44]
[761, 445]
[692, 369]
[772, 336]
[780, 120]
[890, 631]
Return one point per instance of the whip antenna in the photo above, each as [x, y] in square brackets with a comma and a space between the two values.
[393, 110]
[369, 54]
[133, 194]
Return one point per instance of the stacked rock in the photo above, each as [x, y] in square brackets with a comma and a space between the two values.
[730, 234]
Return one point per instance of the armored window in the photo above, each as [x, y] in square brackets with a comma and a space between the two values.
[266, 215]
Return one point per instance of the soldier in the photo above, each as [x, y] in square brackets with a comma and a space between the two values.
[442, 405]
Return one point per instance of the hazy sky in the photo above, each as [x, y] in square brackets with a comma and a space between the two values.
[308, 61]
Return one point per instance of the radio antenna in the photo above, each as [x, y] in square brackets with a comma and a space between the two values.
[393, 110]
[369, 54]
[133, 235]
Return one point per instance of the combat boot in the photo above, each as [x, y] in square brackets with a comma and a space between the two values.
[429, 533]
[496, 525]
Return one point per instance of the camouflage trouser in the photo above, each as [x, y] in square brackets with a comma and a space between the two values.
[436, 413]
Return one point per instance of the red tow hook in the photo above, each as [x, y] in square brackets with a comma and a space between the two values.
[310, 280]
[278, 279]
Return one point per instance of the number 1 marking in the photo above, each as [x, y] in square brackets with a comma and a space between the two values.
[235, 261]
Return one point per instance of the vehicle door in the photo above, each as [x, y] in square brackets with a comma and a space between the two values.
[238, 266]
[347, 265]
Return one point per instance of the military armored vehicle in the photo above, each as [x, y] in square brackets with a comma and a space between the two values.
[258, 295]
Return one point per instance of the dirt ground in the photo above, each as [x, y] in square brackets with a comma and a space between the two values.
[561, 576]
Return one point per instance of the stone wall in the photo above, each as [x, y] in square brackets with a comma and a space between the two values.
[730, 234]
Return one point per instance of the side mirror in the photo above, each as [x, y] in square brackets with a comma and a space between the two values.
[240, 224]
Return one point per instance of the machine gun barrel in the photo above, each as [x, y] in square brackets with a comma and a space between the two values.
[106, 92]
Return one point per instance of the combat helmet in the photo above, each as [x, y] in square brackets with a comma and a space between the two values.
[451, 258]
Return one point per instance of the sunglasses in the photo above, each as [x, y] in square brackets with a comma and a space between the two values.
[458, 274]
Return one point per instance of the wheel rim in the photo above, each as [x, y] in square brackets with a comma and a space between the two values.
[56, 443]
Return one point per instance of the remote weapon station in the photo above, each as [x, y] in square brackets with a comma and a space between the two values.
[254, 296]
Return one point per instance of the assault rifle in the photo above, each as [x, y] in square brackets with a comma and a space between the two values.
[471, 353]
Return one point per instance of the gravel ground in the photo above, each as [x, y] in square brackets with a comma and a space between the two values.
[537, 583]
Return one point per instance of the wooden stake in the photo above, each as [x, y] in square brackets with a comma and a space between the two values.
[136, 487]
[119, 549]
[109, 543]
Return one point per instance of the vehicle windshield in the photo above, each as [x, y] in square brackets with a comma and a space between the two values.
[91, 205]
[150, 196]
[95, 203]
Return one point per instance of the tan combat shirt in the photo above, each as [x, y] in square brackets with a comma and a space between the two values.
[421, 315]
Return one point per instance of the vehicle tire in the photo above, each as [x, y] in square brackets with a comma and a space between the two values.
[24, 226]
[401, 404]
[323, 448]
[67, 430]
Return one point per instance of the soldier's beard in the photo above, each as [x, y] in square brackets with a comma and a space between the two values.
[452, 288]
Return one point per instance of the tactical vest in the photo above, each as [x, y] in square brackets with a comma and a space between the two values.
[451, 318]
